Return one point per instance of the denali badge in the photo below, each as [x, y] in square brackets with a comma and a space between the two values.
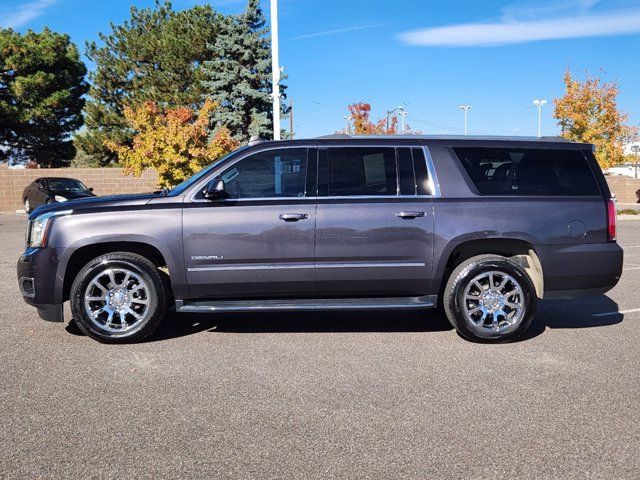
[207, 257]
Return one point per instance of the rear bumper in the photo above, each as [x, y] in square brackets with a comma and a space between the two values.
[572, 271]
[39, 282]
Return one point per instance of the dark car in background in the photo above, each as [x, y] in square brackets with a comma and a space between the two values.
[53, 189]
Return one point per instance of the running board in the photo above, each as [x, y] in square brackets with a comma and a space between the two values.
[317, 304]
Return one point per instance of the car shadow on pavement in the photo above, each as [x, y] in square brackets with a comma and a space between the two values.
[552, 314]
[180, 324]
[577, 313]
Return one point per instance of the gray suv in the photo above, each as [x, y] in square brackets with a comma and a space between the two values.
[484, 227]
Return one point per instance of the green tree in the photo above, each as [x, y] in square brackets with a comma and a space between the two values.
[42, 83]
[238, 75]
[153, 56]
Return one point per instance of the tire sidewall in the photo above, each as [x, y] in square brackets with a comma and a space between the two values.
[460, 282]
[156, 305]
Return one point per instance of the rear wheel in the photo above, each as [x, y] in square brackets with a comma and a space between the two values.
[490, 298]
[118, 298]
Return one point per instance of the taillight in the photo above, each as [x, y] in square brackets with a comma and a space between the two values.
[611, 220]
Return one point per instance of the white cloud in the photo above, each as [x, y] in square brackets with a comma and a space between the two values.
[523, 22]
[335, 31]
[22, 14]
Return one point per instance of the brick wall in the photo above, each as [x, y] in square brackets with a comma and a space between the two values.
[110, 181]
[625, 188]
[105, 181]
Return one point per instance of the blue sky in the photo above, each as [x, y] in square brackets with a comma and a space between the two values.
[497, 56]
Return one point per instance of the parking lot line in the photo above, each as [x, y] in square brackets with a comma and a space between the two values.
[620, 312]
[631, 268]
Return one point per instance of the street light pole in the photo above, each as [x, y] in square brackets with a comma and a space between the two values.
[275, 69]
[466, 108]
[539, 104]
[636, 149]
[403, 113]
[347, 127]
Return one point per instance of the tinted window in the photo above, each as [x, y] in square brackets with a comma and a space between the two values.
[502, 171]
[422, 174]
[405, 171]
[361, 171]
[66, 185]
[274, 173]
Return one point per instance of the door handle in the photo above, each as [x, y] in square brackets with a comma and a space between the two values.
[410, 215]
[293, 217]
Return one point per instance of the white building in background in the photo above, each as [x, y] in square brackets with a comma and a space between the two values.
[628, 169]
[629, 148]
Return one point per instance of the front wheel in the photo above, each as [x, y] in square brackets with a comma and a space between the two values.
[490, 298]
[27, 205]
[118, 298]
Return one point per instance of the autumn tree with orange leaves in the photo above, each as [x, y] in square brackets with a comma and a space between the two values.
[588, 112]
[363, 125]
[176, 142]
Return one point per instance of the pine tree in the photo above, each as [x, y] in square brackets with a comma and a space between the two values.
[238, 75]
[156, 55]
[42, 84]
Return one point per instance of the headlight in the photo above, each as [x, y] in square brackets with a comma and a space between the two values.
[60, 198]
[37, 228]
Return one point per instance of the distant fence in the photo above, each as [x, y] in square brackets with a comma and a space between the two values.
[625, 188]
[105, 181]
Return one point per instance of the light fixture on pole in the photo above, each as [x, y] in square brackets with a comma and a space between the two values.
[466, 108]
[275, 70]
[539, 104]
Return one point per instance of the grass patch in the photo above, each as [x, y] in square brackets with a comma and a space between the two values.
[628, 211]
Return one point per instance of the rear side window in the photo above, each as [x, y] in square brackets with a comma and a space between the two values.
[360, 171]
[505, 171]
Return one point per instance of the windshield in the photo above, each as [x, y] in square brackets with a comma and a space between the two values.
[181, 187]
[66, 185]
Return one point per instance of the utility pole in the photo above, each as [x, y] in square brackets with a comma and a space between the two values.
[291, 118]
[539, 104]
[275, 69]
[466, 108]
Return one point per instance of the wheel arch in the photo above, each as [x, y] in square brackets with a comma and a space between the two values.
[83, 254]
[518, 249]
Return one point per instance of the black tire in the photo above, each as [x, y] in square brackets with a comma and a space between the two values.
[27, 205]
[456, 307]
[156, 297]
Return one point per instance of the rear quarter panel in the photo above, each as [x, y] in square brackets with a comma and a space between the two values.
[550, 224]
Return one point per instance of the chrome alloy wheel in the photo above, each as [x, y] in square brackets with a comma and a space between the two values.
[118, 300]
[493, 303]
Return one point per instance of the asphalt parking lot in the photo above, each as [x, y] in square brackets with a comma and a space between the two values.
[366, 395]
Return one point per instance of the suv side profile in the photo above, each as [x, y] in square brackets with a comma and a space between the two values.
[484, 226]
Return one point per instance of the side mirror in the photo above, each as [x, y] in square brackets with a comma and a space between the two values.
[215, 190]
[91, 189]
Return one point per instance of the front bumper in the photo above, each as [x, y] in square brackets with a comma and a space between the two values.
[39, 283]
